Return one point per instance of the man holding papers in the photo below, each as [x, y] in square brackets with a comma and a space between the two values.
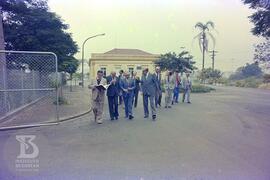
[98, 86]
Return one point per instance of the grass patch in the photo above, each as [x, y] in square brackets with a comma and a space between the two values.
[199, 88]
[251, 82]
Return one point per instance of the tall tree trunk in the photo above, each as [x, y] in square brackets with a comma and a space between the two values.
[213, 64]
[203, 50]
[203, 57]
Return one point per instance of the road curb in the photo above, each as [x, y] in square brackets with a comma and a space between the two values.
[50, 123]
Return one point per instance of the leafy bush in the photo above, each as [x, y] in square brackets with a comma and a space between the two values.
[198, 88]
[266, 78]
[251, 82]
[249, 70]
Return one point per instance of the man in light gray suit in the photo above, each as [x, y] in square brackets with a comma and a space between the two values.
[149, 86]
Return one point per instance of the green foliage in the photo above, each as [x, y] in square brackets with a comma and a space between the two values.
[246, 71]
[172, 61]
[262, 53]
[266, 78]
[260, 18]
[30, 26]
[212, 76]
[251, 82]
[71, 65]
[223, 80]
[198, 88]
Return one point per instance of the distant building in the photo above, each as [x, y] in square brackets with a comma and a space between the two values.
[125, 59]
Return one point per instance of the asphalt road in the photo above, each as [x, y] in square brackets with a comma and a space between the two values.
[221, 135]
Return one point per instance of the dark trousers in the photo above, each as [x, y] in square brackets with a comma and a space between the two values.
[120, 99]
[113, 106]
[135, 99]
[176, 92]
[152, 104]
[158, 99]
[128, 99]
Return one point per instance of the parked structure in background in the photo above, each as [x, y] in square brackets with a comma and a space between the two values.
[126, 59]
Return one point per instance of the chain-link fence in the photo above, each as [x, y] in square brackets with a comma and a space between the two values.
[28, 87]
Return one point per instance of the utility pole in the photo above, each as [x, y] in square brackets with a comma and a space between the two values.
[213, 58]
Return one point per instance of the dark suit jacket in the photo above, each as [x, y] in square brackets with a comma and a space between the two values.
[149, 84]
[113, 89]
[128, 83]
[158, 80]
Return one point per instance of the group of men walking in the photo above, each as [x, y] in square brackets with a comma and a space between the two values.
[126, 87]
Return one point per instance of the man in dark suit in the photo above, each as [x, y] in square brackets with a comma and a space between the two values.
[112, 93]
[149, 86]
[158, 96]
[137, 88]
[120, 78]
[128, 86]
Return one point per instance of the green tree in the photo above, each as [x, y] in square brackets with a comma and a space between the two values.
[30, 26]
[210, 75]
[249, 70]
[260, 18]
[215, 76]
[262, 53]
[71, 68]
[203, 37]
[172, 61]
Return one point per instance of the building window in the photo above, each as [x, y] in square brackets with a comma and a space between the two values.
[139, 67]
[103, 69]
[130, 70]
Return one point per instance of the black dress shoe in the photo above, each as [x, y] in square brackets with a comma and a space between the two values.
[169, 106]
[112, 119]
[116, 118]
[131, 117]
[154, 117]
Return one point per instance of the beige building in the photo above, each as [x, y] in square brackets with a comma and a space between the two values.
[125, 59]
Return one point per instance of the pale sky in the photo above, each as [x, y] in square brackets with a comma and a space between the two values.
[160, 26]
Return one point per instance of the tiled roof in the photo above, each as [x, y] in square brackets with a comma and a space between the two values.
[127, 52]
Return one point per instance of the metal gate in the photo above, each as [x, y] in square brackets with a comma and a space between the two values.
[28, 87]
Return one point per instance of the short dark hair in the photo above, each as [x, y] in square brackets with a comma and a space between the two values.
[99, 71]
[121, 71]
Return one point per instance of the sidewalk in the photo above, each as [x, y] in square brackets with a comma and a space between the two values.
[78, 102]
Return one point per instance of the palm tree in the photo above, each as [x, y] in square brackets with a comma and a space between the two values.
[203, 37]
